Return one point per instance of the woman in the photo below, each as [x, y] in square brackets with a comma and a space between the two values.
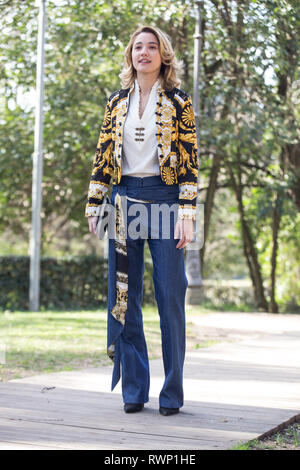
[147, 148]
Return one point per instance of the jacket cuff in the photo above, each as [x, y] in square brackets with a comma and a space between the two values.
[187, 200]
[96, 193]
[187, 211]
[92, 210]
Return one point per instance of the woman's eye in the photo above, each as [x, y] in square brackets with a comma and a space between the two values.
[138, 47]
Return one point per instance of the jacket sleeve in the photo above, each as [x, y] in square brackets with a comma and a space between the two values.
[188, 162]
[102, 169]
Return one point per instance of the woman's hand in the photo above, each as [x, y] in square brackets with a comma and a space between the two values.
[92, 224]
[184, 230]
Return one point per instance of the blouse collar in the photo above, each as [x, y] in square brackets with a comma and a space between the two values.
[157, 86]
[153, 88]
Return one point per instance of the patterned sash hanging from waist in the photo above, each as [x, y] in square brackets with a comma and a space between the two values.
[120, 307]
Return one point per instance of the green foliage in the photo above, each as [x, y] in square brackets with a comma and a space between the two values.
[74, 282]
[249, 115]
[84, 54]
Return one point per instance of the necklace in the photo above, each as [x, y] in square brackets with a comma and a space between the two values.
[139, 131]
[140, 102]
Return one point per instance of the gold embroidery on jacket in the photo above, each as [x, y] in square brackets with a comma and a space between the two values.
[188, 116]
[176, 140]
[168, 175]
[165, 111]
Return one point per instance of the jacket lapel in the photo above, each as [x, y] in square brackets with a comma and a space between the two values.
[165, 110]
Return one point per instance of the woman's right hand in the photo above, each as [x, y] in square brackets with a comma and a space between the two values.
[93, 224]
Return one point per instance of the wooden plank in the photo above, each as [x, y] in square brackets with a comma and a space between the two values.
[6, 445]
[233, 392]
[81, 437]
[18, 394]
[25, 411]
[60, 402]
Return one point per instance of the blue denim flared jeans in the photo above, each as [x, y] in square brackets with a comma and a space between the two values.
[170, 284]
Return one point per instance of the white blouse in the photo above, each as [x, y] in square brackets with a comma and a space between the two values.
[140, 152]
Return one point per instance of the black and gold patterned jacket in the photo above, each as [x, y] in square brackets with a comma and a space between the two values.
[176, 141]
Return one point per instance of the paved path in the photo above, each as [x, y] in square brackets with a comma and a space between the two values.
[235, 390]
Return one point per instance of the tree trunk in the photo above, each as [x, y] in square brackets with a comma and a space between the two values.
[209, 201]
[273, 307]
[249, 248]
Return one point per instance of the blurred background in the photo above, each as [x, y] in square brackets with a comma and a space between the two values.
[249, 144]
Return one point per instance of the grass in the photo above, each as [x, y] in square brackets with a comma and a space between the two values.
[287, 438]
[52, 341]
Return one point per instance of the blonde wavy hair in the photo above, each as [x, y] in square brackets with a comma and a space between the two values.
[171, 67]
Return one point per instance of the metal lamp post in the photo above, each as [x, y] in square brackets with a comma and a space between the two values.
[193, 265]
[37, 172]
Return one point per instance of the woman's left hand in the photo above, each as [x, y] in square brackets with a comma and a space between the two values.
[184, 230]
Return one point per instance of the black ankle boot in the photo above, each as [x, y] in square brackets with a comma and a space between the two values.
[133, 407]
[168, 411]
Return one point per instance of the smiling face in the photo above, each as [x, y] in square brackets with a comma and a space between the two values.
[146, 56]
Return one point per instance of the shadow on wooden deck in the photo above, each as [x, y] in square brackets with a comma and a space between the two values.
[234, 391]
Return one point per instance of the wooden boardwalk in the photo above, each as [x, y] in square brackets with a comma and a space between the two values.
[235, 390]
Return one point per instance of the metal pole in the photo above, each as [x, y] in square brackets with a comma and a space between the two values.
[197, 61]
[37, 172]
[192, 259]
